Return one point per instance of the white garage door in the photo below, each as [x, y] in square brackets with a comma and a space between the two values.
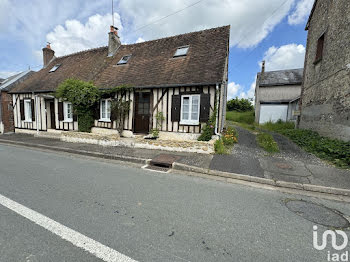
[273, 113]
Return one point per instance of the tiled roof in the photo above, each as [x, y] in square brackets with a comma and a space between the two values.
[11, 82]
[281, 77]
[151, 64]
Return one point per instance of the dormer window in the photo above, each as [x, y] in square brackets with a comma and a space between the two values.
[181, 51]
[54, 68]
[124, 60]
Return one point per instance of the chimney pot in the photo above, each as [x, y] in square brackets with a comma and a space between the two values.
[263, 67]
[48, 54]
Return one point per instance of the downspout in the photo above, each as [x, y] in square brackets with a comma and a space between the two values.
[36, 114]
[217, 110]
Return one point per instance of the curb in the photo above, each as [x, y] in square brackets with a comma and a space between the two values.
[264, 181]
[79, 152]
[183, 167]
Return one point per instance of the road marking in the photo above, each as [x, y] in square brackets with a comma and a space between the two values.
[77, 239]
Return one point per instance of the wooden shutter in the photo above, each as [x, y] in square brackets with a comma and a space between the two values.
[175, 108]
[33, 109]
[21, 108]
[60, 111]
[205, 108]
[97, 111]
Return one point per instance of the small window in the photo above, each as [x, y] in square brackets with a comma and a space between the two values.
[68, 112]
[124, 60]
[190, 105]
[54, 68]
[28, 110]
[319, 51]
[181, 51]
[105, 110]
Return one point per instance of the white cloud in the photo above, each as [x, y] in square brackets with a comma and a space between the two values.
[140, 40]
[251, 20]
[284, 57]
[74, 36]
[232, 90]
[236, 90]
[301, 12]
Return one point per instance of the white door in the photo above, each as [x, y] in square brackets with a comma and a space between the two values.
[273, 113]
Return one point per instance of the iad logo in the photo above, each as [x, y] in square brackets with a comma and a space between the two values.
[333, 235]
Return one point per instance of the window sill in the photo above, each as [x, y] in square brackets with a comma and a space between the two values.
[104, 120]
[189, 123]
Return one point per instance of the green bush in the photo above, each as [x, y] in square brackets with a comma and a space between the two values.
[247, 117]
[267, 142]
[220, 147]
[332, 150]
[240, 105]
[85, 121]
[209, 128]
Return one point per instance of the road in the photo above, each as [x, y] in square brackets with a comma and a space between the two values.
[140, 214]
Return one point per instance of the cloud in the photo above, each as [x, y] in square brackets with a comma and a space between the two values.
[301, 12]
[232, 90]
[140, 40]
[74, 36]
[251, 20]
[289, 56]
[236, 90]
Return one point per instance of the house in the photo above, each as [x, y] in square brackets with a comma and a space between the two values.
[182, 76]
[6, 106]
[277, 95]
[325, 98]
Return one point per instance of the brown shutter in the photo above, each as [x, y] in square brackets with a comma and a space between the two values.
[175, 108]
[33, 109]
[97, 111]
[205, 108]
[21, 108]
[60, 111]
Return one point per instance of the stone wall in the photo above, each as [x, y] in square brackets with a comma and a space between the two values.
[325, 105]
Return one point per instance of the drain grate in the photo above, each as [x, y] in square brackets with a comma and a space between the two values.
[318, 214]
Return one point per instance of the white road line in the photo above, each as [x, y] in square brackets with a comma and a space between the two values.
[77, 239]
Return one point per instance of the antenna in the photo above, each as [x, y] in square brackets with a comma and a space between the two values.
[112, 14]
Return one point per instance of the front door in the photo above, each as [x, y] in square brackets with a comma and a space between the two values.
[142, 112]
[52, 115]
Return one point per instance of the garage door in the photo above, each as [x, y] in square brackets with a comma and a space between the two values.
[273, 113]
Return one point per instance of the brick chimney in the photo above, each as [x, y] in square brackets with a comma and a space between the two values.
[113, 41]
[48, 54]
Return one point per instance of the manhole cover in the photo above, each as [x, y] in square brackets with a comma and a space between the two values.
[283, 166]
[318, 213]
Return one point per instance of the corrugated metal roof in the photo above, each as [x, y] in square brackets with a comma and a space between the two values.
[281, 77]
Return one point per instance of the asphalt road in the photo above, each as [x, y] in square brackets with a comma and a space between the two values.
[145, 215]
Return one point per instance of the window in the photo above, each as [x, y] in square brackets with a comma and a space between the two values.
[319, 51]
[105, 110]
[190, 105]
[124, 60]
[68, 112]
[181, 51]
[28, 110]
[54, 68]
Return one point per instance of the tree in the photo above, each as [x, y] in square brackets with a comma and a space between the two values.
[240, 105]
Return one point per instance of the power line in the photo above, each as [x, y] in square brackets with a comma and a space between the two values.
[164, 17]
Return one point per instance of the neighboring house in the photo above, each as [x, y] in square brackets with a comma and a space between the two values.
[182, 76]
[1, 80]
[325, 99]
[6, 106]
[277, 95]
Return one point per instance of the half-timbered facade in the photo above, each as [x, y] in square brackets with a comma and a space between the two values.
[183, 77]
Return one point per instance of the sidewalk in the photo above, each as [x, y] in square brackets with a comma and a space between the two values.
[292, 164]
[291, 168]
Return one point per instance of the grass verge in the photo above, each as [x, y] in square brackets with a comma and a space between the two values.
[241, 117]
[267, 142]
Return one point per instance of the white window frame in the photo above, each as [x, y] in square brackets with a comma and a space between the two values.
[105, 119]
[28, 110]
[190, 121]
[65, 112]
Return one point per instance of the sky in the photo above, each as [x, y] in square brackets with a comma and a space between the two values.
[270, 30]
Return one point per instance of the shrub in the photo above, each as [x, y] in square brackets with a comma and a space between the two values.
[332, 150]
[229, 137]
[209, 128]
[220, 147]
[267, 142]
[240, 105]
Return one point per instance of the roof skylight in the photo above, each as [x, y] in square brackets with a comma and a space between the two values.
[54, 68]
[181, 51]
[124, 60]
